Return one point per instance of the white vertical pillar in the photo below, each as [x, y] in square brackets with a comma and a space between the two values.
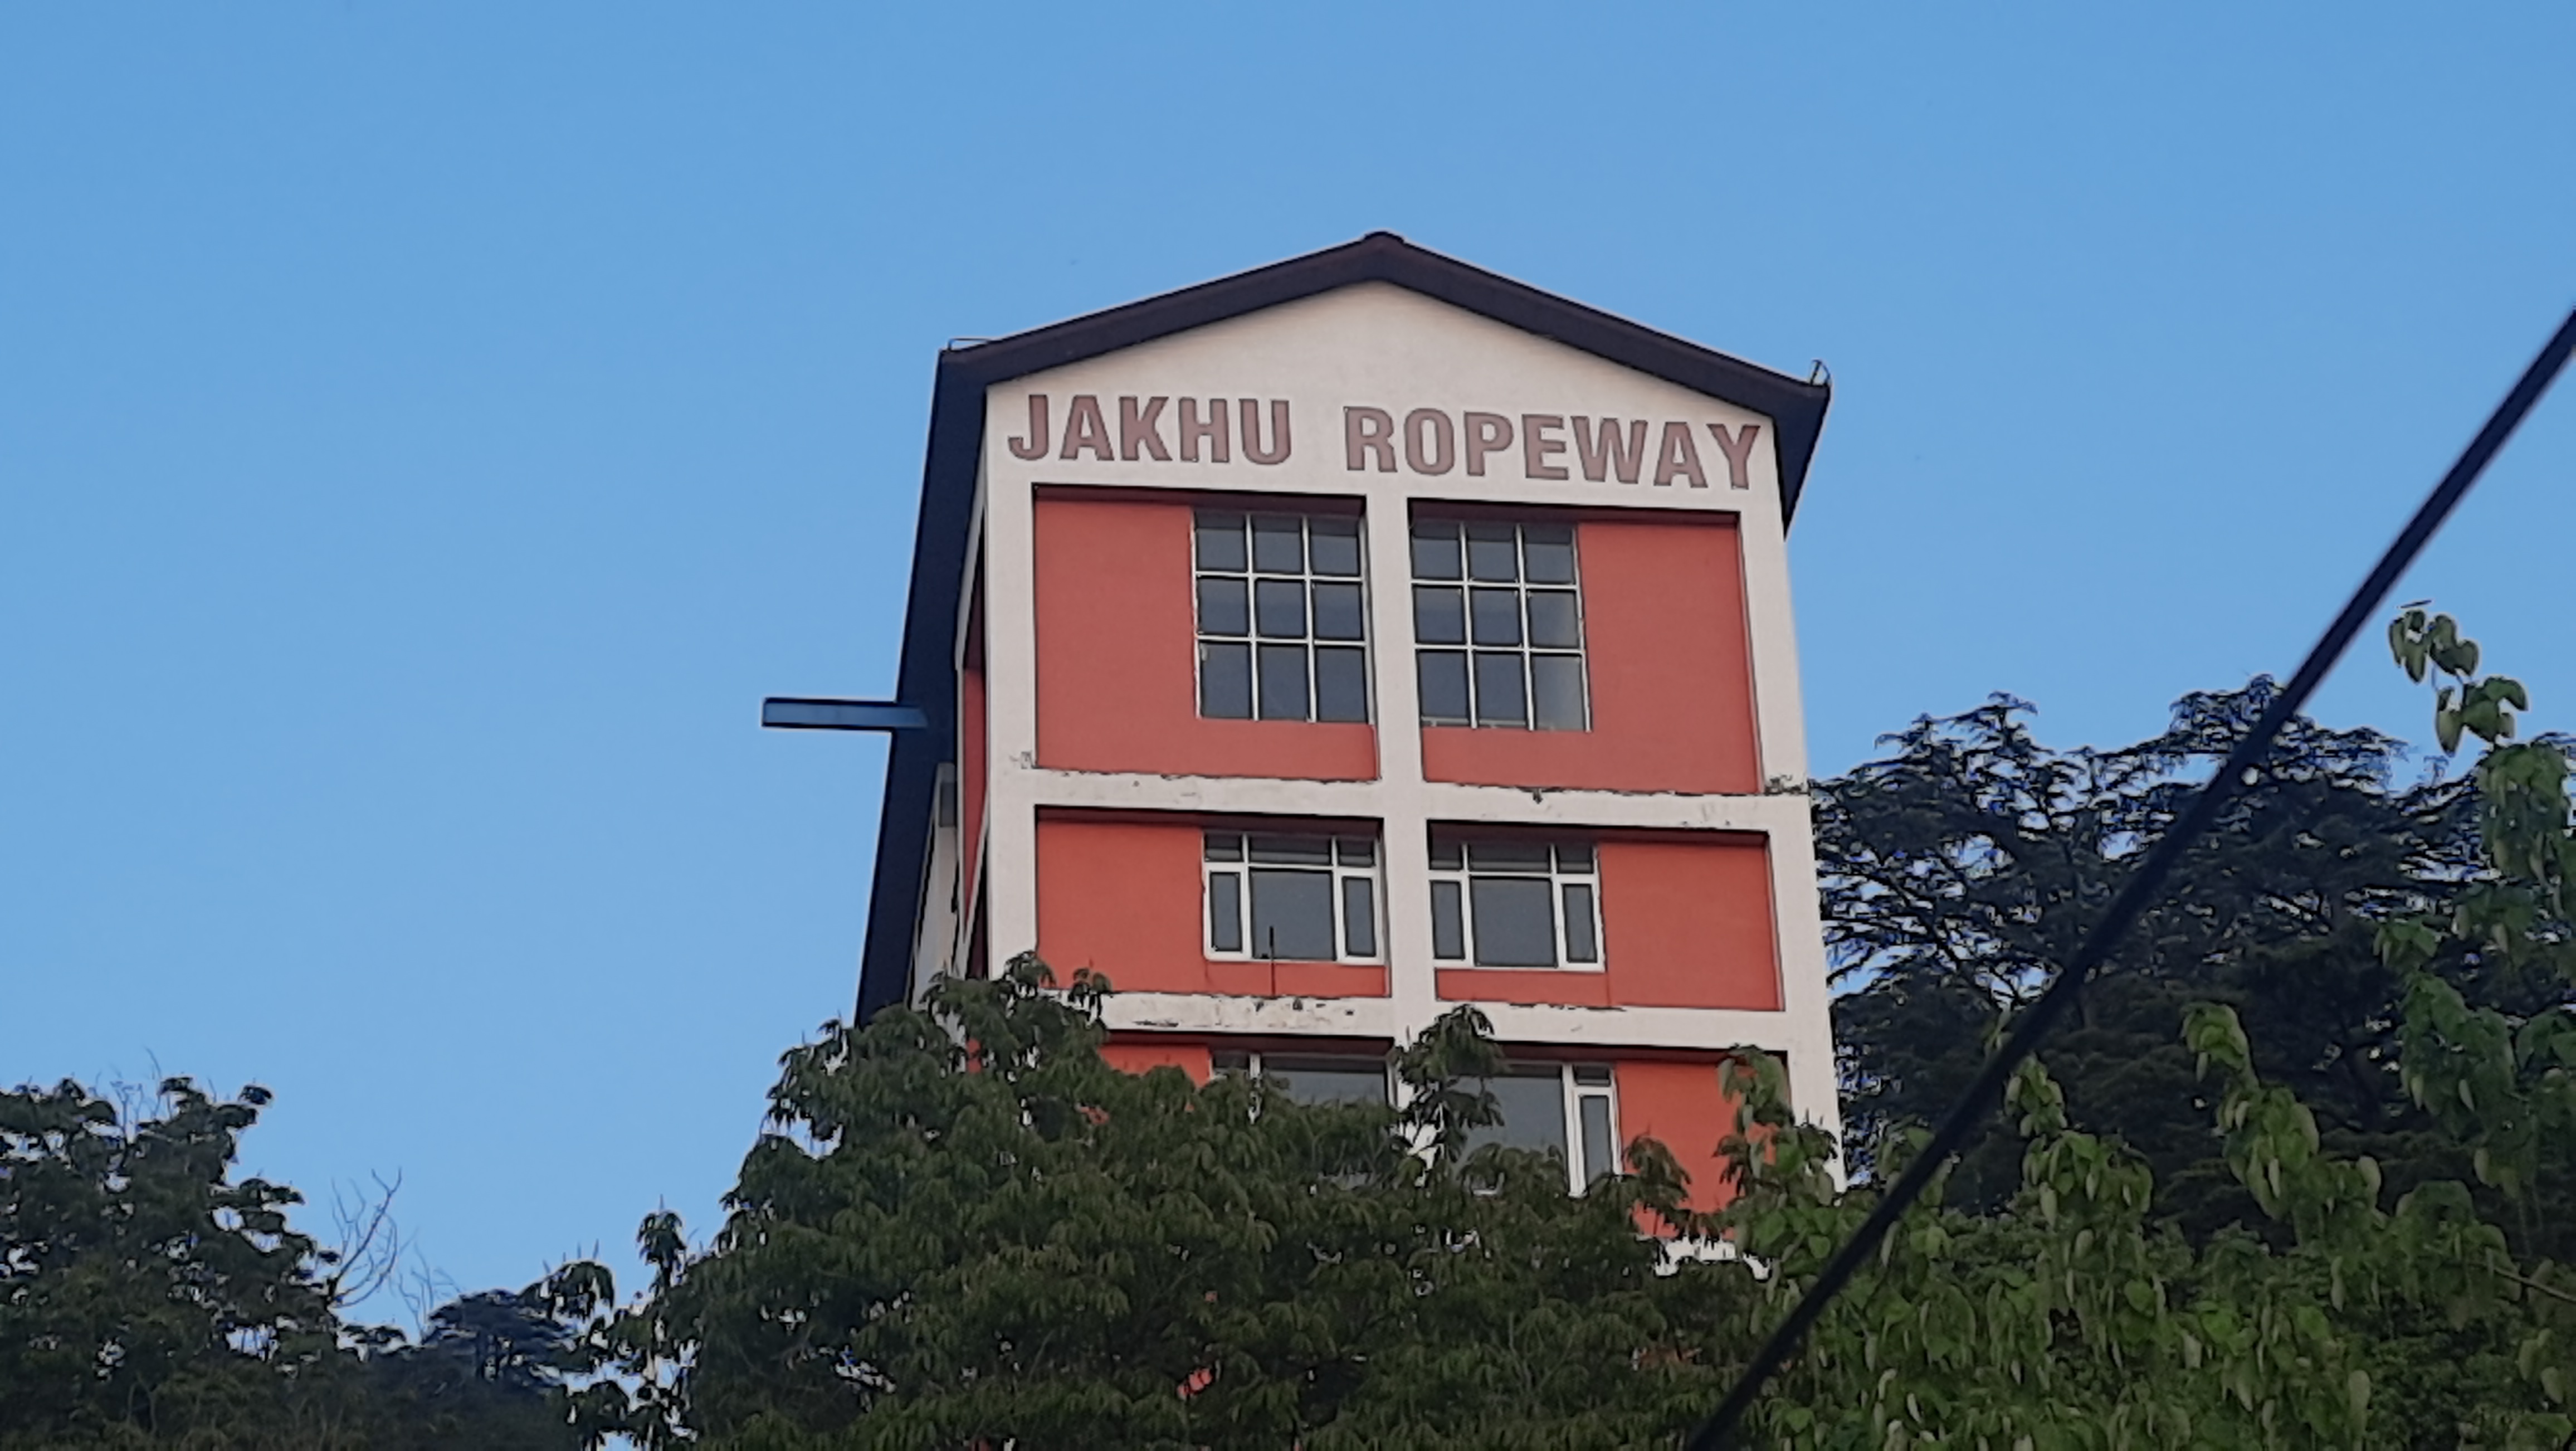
[1401, 799]
[1772, 638]
[1781, 732]
[1010, 878]
[1805, 1000]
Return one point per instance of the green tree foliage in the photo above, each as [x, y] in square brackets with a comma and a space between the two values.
[968, 1229]
[1958, 869]
[149, 1301]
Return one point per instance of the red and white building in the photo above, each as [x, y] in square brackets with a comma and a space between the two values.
[1318, 649]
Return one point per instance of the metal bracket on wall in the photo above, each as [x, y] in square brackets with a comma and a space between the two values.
[807, 713]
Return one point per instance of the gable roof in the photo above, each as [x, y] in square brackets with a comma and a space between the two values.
[928, 675]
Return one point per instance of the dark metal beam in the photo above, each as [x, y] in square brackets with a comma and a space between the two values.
[797, 713]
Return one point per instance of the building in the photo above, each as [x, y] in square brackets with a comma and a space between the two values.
[1317, 649]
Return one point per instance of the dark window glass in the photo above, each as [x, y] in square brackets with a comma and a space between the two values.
[1292, 915]
[1496, 615]
[1278, 544]
[1573, 857]
[1225, 681]
[1551, 619]
[1230, 1062]
[1222, 610]
[1579, 946]
[1356, 851]
[1326, 1080]
[1337, 612]
[1446, 854]
[1592, 1077]
[1493, 552]
[1281, 607]
[1224, 846]
[1597, 1159]
[1515, 921]
[1442, 675]
[1547, 552]
[1533, 1108]
[1435, 551]
[1225, 912]
[1283, 682]
[1341, 683]
[1336, 545]
[1498, 690]
[1359, 916]
[1448, 922]
[1439, 615]
[1500, 614]
[1508, 856]
[1220, 541]
[1556, 692]
[1300, 851]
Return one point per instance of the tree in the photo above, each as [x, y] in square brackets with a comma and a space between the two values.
[2239, 1337]
[147, 1300]
[968, 1229]
[1960, 868]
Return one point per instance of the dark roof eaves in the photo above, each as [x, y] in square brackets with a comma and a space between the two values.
[927, 677]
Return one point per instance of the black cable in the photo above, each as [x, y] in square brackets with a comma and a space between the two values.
[2141, 890]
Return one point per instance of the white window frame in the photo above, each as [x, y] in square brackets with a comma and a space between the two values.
[1252, 639]
[1522, 587]
[1257, 1065]
[1577, 1084]
[1558, 877]
[1579, 1087]
[1344, 869]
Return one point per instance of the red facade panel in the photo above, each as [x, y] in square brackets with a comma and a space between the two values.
[1143, 1055]
[1116, 647]
[1670, 669]
[1678, 1104]
[1686, 923]
[1121, 896]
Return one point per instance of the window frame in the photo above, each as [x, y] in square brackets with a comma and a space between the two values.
[1339, 871]
[1252, 639]
[1256, 1064]
[1577, 1083]
[1523, 587]
[1557, 876]
[1578, 1170]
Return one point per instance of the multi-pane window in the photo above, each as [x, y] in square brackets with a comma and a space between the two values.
[1292, 898]
[1312, 1077]
[1282, 621]
[1515, 903]
[1498, 622]
[1562, 1110]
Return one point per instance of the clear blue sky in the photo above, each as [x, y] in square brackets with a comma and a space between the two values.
[426, 431]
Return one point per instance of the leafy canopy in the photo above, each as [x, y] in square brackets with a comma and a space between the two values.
[147, 1300]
